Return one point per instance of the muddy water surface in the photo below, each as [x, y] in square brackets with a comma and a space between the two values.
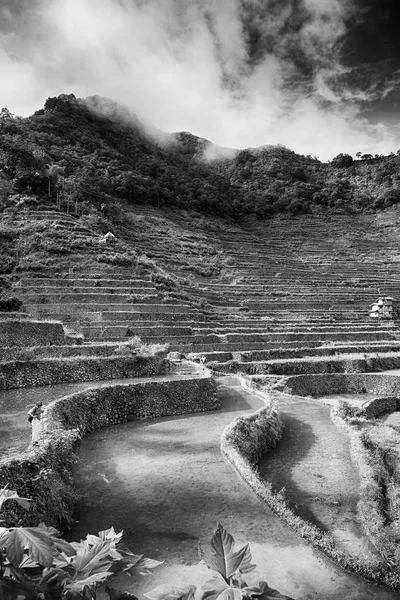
[15, 431]
[166, 484]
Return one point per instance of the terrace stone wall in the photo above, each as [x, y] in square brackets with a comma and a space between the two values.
[339, 383]
[35, 373]
[378, 406]
[45, 475]
[25, 334]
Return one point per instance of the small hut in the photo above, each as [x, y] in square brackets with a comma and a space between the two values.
[383, 308]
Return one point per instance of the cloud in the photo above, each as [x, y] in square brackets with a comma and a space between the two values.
[239, 72]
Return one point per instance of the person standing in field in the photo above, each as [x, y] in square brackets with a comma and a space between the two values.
[203, 361]
[35, 417]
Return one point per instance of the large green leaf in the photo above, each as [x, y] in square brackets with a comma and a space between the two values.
[144, 566]
[92, 559]
[111, 535]
[230, 594]
[10, 589]
[264, 592]
[77, 585]
[57, 541]
[18, 540]
[115, 594]
[221, 556]
[52, 583]
[169, 592]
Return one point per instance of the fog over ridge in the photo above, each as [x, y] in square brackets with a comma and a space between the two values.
[241, 73]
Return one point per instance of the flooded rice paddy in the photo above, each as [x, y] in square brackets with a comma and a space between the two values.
[165, 483]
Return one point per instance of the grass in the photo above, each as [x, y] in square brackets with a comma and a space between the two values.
[135, 347]
[244, 455]
[374, 452]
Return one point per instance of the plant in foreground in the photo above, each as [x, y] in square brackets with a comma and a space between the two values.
[36, 564]
[230, 565]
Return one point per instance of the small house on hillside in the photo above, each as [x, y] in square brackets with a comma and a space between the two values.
[383, 308]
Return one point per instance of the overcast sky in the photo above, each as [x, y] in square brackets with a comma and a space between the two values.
[319, 76]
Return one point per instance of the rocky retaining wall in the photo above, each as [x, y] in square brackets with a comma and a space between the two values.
[25, 333]
[340, 364]
[45, 474]
[280, 353]
[331, 383]
[73, 370]
[40, 352]
[378, 406]
[248, 438]
[89, 410]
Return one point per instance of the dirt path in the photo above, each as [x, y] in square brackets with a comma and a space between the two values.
[166, 484]
[312, 462]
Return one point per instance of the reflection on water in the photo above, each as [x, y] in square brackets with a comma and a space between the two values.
[165, 483]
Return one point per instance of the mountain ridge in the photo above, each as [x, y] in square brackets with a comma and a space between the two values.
[110, 157]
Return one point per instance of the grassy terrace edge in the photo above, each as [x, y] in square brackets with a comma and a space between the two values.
[244, 441]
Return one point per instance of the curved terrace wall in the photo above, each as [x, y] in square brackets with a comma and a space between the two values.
[45, 474]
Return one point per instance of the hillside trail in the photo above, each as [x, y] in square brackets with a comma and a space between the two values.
[166, 484]
[15, 431]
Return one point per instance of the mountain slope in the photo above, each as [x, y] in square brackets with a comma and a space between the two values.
[110, 156]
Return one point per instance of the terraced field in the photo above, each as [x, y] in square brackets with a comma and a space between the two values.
[284, 296]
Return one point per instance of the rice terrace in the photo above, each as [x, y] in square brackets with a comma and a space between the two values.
[216, 347]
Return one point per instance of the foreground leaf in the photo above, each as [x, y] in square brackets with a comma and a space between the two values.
[111, 535]
[264, 592]
[76, 586]
[168, 592]
[10, 589]
[230, 594]
[16, 541]
[92, 559]
[57, 541]
[145, 564]
[221, 556]
[115, 594]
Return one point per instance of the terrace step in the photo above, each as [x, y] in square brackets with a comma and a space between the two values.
[135, 308]
[289, 351]
[115, 331]
[317, 364]
[31, 283]
[42, 352]
[87, 297]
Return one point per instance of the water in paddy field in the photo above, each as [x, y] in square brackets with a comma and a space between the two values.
[166, 484]
[15, 431]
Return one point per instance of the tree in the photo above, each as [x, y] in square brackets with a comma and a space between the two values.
[342, 161]
[53, 172]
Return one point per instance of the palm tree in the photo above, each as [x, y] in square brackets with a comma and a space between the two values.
[53, 172]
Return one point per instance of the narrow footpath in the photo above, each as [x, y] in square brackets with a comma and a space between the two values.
[166, 484]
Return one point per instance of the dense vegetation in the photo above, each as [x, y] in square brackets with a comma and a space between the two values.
[106, 156]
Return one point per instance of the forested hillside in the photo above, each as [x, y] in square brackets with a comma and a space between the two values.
[105, 155]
